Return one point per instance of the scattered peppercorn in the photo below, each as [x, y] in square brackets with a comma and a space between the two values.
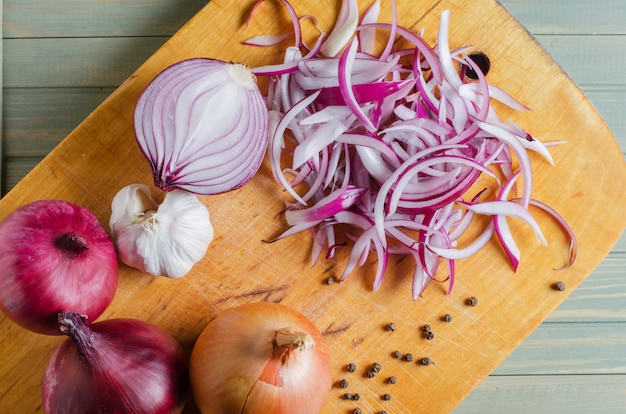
[392, 380]
[376, 367]
[472, 301]
[482, 61]
[330, 280]
[426, 361]
[447, 317]
[371, 374]
[386, 397]
[357, 411]
[426, 328]
[351, 367]
[409, 357]
[560, 286]
[356, 397]
[347, 396]
[382, 412]
[391, 326]
[429, 335]
[343, 384]
[397, 354]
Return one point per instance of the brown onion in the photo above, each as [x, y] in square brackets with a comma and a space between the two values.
[260, 358]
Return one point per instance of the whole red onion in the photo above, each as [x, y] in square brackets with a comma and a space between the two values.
[54, 256]
[115, 366]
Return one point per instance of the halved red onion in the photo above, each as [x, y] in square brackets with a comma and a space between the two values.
[203, 126]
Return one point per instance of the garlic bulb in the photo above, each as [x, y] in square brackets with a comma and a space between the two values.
[162, 240]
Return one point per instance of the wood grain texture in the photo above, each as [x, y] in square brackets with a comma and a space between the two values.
[144, 301]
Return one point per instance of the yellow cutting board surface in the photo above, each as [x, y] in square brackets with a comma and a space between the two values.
[586, 186]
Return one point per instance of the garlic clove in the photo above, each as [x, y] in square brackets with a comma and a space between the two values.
[162, 240]
[130, 204]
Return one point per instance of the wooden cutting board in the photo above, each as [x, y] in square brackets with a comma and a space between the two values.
[586, 186]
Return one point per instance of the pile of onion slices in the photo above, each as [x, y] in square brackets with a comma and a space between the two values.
[403, 146]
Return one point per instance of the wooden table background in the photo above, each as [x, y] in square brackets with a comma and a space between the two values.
[61, 58]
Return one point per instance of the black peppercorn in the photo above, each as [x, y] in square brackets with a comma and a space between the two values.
[330, 280]
[560, 286]
[429, 335]
[397, 354]
[357, 411]
[376, 367]
[391, 326]
[382, 412]
[343, 384]
[386, 397]
[409, 357]
[371, 374]
[351, 367]
[347, 396]
[447, 317]
[356, 397]
[426, 328]
[482, 61]
[472, 301]
[426, 361]
[392, 380]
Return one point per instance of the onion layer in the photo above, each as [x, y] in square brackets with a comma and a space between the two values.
[260, 358]
[203, 126]
[54, 256]
[115, 366]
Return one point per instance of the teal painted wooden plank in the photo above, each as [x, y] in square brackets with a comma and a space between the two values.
[569, 348]
[77, 62]
[15, 169]
[589, 60]
[569, 16]
[610, 101]
[36, 120]
[550, 394]
[103, 18]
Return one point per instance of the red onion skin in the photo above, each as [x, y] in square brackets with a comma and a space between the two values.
[54, 256]
[116, 366]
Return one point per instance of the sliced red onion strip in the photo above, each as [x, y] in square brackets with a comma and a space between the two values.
[338, 200]
[345, 85]
[469, 250]
[392, 31]
[277, 142]
[267, 40]
[508, 209]
[573, 246]
[367, 37]
[344, 28]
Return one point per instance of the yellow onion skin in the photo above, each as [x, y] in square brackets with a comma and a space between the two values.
[232, 352]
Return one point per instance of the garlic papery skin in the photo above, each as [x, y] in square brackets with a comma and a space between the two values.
[162, 240]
